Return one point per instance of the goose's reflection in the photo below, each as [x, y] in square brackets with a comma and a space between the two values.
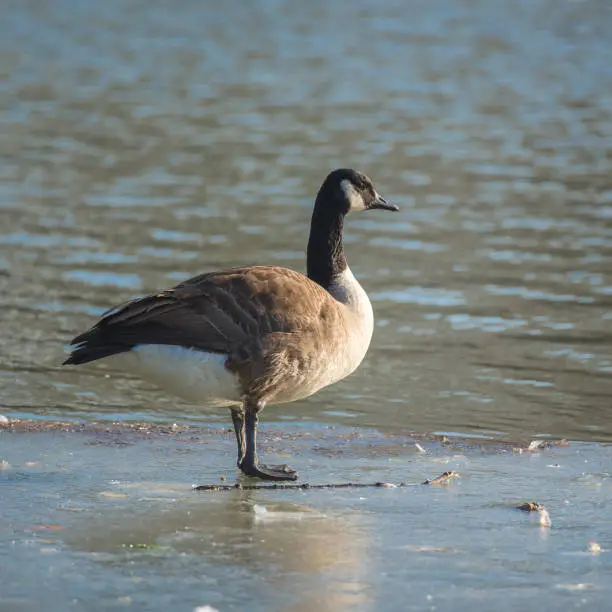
[312, 559]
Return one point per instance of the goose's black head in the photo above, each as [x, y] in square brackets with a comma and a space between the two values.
[343, 191]
[346, 190]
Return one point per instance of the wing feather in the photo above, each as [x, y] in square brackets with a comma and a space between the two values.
[216, 312]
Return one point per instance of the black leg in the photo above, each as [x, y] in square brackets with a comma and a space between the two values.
[238, 420]
[250, 464]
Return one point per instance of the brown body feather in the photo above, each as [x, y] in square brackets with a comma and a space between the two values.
[269, 321]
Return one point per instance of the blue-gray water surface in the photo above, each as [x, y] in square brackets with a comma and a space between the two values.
[143, 143]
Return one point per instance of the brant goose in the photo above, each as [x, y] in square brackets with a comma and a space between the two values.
[247, 337]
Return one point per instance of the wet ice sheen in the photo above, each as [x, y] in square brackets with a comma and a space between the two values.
[121, 509]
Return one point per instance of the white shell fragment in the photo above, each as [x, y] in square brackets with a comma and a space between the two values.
[545, 518]
[594, 547]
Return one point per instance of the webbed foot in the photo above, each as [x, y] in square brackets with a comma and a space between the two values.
[268, 472]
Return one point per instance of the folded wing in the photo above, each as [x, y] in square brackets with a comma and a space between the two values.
[217, 312]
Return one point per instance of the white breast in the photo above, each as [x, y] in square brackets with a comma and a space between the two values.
[359, 323]
[195, 376]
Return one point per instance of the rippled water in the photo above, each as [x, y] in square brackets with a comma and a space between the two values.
[147, 142]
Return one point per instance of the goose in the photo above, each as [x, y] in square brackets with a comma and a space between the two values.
[246, 337]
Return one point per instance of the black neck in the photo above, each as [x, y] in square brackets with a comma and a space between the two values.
[325, 255]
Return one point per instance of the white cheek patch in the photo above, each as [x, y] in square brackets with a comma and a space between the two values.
[353, 196]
